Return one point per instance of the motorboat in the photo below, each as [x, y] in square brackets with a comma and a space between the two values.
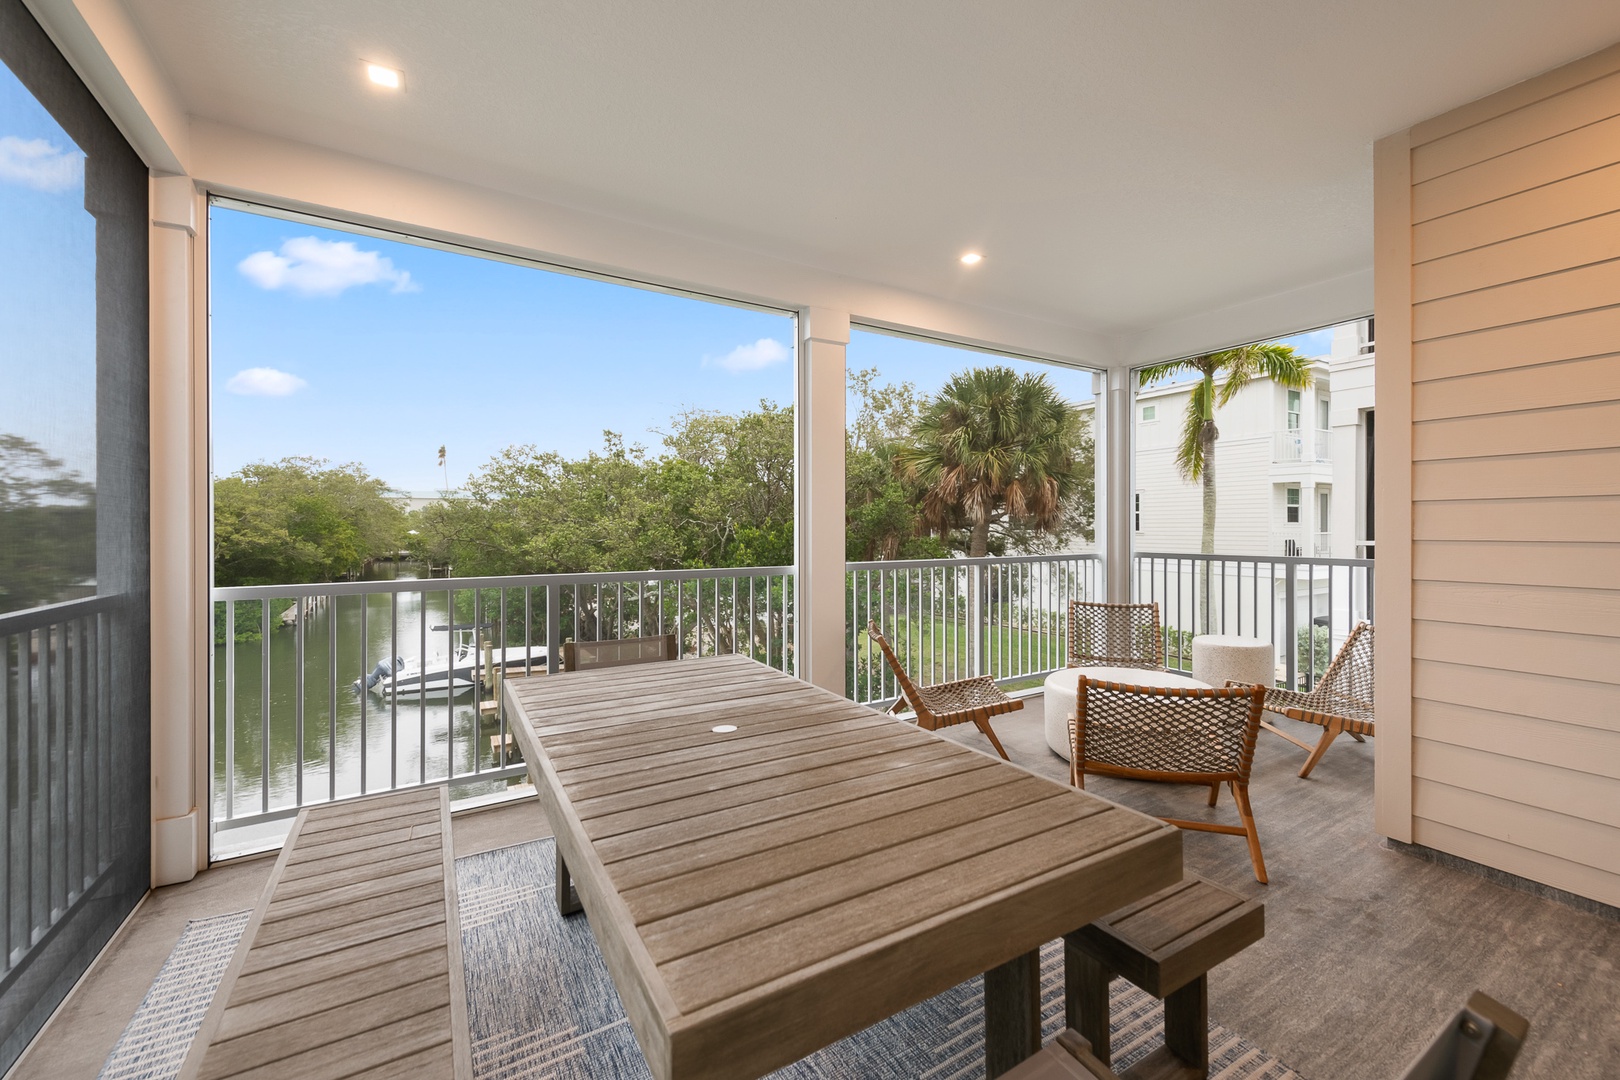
[449, 677]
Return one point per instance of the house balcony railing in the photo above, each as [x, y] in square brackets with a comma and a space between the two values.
[956, 618]
[59, 672]
[295, 721]
[1296, 446]
[1305, 607]
[317, 687]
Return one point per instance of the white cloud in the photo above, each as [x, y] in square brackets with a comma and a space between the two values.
[761, 354]
[311, 266]
[40, 165]
[264, 382]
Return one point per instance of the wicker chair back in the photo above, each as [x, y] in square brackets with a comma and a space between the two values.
[579, 655]
[1165, 733]
[1115, 635]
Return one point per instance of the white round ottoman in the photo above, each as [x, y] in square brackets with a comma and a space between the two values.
[1219, 658]
[1063, 687]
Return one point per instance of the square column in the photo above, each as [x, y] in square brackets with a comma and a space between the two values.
[819, 631]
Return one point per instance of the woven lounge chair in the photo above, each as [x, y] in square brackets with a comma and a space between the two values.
[580, 655]
[1173, 735]
[1341, 701]
[964, 701]
[1115, 635]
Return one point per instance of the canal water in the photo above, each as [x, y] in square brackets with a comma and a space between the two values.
[352, 741]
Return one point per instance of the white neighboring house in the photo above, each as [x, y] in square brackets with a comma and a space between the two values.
[1292, 473]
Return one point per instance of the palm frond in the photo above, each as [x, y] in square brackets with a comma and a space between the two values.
[1189, 451]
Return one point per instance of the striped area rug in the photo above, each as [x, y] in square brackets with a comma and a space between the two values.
[542, 1007]
[562, 1019]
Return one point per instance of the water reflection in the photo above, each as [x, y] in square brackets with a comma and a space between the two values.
[352, 742]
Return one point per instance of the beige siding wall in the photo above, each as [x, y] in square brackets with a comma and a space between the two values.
[1512, 293]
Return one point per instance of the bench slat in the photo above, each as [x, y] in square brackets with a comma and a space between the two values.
[351, 963]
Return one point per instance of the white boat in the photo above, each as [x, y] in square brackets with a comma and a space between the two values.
[449, 677]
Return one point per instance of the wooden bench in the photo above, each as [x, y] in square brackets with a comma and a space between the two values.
[350, 966]
[1165, 944]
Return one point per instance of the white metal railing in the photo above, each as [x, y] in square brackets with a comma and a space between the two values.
[1304, 607]
[1324, 546]
[295, 722]
[1291, 447]
[954, 618]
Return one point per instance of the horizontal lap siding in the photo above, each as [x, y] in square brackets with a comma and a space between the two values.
[1515, 592]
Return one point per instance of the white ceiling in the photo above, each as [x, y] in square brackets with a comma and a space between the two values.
[1120, 164]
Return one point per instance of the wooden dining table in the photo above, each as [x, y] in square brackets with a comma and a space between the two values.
[768, 867]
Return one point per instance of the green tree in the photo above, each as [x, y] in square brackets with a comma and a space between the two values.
[721, 494]
[301, 520]
[47, 527]
[1195, 453]
[999, 455]
[882, 509]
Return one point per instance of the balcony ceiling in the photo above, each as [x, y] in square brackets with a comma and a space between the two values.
[1120, 165]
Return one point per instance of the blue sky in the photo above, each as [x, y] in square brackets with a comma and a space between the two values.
[47, 284]
[351, 348]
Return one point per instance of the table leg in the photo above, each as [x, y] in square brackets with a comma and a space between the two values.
[1012, 1013]
[567, 898]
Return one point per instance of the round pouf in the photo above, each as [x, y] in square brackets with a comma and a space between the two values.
[1221, 658]
[1063, 688]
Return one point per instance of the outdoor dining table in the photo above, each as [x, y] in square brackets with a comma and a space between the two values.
[768, 867]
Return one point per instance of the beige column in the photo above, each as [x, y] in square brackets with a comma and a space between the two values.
[180, 637]
[819, 631]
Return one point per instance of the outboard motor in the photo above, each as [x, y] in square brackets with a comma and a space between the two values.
[379, 673]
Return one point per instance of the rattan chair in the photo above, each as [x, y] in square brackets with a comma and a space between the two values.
[964, 701]
[579, 655]
[1173, 735]
[1115, 635]
[1341, 701]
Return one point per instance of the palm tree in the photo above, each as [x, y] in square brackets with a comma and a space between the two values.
[994, 447]
[1195, 455]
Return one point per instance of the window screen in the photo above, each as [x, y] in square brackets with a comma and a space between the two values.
[74, 637]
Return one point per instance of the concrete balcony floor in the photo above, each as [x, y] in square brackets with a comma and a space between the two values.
[1367, 949]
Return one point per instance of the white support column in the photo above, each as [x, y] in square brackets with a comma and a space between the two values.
[1115, 482]
[179, 573]
[819, 630]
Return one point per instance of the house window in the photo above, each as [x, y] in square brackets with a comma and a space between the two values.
[1323, 417]
[1324, 510]
[1293, 410]
[1292, 514]
[1136, 511]
[1149, 412]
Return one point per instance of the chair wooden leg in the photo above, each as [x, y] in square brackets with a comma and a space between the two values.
[1240, 793]
[984, 726]
[1356, 737]
[1332, 732]
[1214, 792]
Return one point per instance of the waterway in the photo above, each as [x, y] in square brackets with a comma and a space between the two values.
[348, 742]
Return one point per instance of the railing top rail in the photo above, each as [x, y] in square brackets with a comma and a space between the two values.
[1281, 560]
[512, 581]
[18, 622]
[987, 560]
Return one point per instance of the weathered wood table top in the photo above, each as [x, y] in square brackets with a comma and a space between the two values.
[762, 892]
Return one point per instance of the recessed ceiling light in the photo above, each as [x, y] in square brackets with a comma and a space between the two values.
[972, 258]
[383, 76]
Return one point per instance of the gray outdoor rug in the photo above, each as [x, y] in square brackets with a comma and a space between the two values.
[541, 1005]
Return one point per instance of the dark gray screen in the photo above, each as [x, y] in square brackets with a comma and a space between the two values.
[75, 659]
